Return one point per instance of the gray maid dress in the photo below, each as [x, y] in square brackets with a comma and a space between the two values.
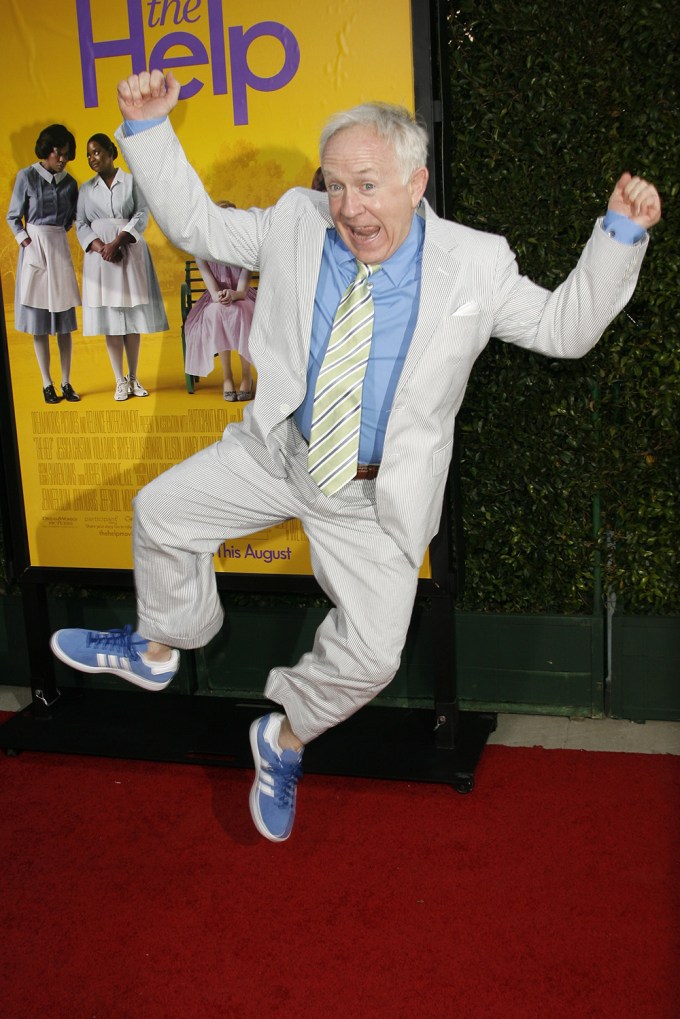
[43, 207]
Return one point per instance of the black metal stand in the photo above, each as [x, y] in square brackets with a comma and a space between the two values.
[41, 663]
[378, 742]
[439, 744]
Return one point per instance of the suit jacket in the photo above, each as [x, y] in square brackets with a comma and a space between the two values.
[471, 289]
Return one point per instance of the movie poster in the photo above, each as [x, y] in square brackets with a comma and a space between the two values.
[257, 85]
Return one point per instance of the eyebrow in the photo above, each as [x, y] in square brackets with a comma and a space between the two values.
[367, 171]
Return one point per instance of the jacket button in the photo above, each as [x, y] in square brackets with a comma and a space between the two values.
[285, 409]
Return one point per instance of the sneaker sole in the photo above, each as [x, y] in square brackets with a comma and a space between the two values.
[131, 677]
[253, 799]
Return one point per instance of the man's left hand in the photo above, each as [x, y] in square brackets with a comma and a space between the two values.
[637, 199]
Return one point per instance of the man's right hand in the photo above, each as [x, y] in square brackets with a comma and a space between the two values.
[148, 96]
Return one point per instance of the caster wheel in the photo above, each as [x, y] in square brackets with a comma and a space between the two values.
[492, 718]
[464, 784]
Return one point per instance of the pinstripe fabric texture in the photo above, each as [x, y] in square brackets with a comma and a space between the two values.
[471, 289]
[222, 493]
[336, 418]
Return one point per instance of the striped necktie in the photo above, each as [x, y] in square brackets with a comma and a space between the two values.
[336, 414]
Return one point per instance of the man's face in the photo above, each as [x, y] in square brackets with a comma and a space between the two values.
[371, 206]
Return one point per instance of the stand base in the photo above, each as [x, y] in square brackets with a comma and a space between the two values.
[377, 742]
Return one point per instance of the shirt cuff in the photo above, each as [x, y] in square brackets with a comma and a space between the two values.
[622, 229]
[137, 126]
[130, 228]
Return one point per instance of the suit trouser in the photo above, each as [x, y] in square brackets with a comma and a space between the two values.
[223, 492]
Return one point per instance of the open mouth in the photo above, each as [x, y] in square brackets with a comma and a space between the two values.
[364, 233]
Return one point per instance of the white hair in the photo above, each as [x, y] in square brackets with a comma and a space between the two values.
[394, 124]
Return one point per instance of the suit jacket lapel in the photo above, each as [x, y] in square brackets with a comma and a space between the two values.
[439, 273]
[311, 234]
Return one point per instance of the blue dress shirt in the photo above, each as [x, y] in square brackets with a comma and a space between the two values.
[622, 229]
[396, 293]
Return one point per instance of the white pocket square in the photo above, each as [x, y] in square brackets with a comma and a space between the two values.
[469, 308]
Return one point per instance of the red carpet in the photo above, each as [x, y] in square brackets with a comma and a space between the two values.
[141, 891]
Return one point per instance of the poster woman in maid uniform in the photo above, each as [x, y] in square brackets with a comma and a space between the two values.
[121, 294]
[42, 209]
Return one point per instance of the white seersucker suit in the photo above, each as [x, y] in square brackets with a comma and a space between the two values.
[470, 290]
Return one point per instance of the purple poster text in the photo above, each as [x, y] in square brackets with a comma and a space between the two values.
[227, 67]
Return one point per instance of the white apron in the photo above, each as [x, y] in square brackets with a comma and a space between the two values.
[114, 284]
[48, 279]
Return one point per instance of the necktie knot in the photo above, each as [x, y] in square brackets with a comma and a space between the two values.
[365, 269]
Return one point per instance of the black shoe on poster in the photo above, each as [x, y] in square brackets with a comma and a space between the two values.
[50, 395]
[69, 393]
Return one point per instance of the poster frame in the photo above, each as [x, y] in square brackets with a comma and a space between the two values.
[432, 103]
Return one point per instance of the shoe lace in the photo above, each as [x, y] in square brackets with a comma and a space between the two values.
[286, 776]
[118, 641]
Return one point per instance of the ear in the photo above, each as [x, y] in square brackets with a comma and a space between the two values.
[417, 184]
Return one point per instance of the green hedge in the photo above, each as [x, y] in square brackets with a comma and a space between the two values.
[568, 465]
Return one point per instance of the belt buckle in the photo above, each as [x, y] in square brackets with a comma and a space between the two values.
[366, 472]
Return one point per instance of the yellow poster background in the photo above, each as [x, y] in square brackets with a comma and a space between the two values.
[82, 463]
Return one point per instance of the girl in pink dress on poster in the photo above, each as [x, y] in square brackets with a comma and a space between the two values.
[220, 322]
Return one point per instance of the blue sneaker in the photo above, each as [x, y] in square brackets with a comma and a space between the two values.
[120, 652]
[272, 797]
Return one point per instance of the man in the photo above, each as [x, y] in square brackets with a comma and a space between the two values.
[370, 314]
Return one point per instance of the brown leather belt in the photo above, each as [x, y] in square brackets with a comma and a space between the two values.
[366, 472]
